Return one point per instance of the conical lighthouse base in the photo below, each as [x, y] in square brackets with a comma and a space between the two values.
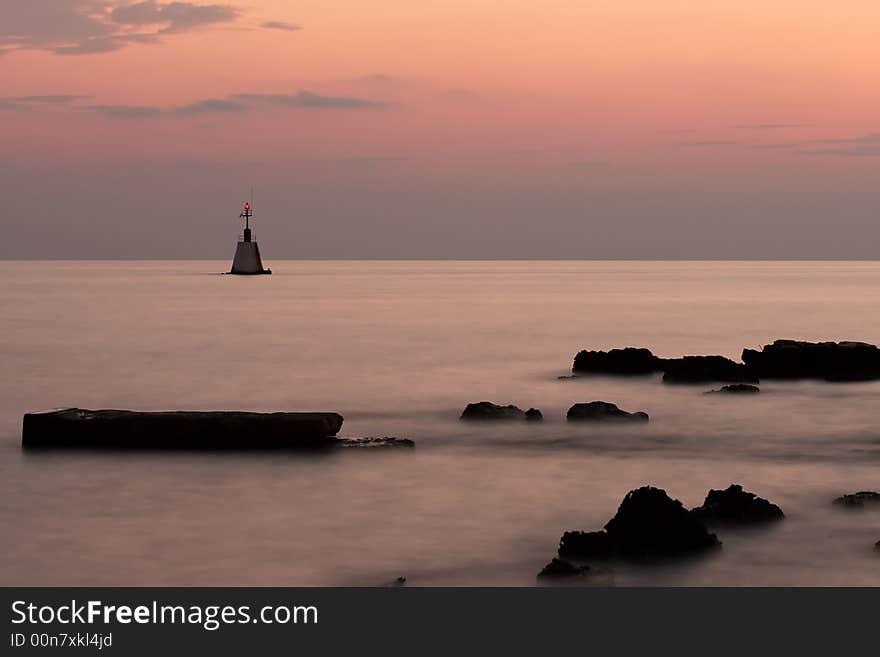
[247, 261]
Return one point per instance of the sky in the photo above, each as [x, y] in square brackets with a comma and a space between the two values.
[662, 129]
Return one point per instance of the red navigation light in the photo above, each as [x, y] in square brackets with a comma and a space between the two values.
[247, 206]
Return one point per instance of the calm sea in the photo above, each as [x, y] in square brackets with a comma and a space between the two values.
[399, 348]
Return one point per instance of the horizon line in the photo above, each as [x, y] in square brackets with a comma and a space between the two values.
[441, 259]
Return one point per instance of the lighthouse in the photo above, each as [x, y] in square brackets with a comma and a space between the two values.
[247, 254]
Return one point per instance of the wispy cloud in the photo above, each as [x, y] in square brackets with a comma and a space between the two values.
[281, 25]
[312, 100]
[779, 145]
[211, 105]
[378, 79]
[870, 138]
[242, 102]
[30, 102]
[96, 45]
[207, 106]
[867, 145]
[172, 17]
[238, 102]
[47, 99]
[80, 27]
[766, 126]
[707, 143]
[127, 111]
[853, 151]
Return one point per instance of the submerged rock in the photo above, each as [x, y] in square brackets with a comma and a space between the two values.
[116, 429]
[534, 415]
[648, 523]
[396, 583]
[706, 369]
[600, 411]
[832, 361]
[488, 411]
[736, 389]
[387, 441]
[737, 507]
[627, 361]
[560, 569]
[859, 500]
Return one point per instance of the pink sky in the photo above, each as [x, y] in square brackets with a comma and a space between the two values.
[616, 120]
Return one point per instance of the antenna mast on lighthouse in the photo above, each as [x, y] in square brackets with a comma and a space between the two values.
[247, 214]
[247, 254]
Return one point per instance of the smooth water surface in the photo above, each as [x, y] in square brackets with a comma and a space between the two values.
[399, 348]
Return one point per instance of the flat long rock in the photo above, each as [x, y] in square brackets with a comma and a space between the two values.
[76, 427]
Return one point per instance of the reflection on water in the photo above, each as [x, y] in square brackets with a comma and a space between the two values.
[399, 348]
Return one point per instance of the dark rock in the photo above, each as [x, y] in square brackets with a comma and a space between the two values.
[76, 427]
[736, 507]
[597, 545]
[387, 441]
[600, 411]
[784, 359]
[560, 568]
[488, 411]
[628, 361]
[737, 389]
[877, 546]
[648, 523]
[534, 415]
[396, 583]
[859, 500]
[705, 369]
[831, 361]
